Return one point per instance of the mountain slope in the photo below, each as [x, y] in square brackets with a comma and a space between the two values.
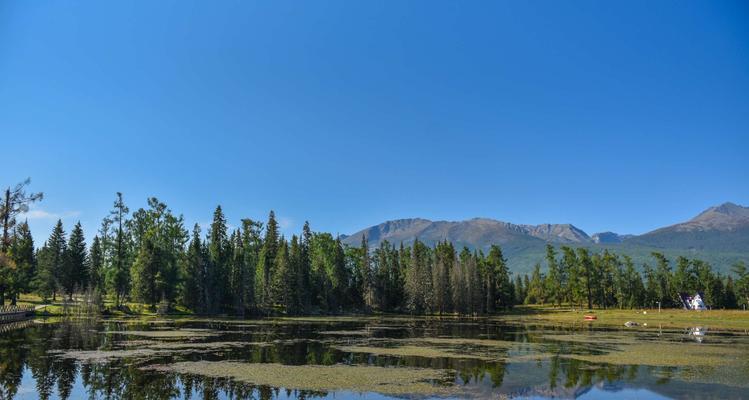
[719, 235]
[720, 228]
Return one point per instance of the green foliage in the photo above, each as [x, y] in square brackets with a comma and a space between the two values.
[51, 263]
[74, 272]
[149, 257]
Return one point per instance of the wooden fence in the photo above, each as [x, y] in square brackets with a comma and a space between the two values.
[15, 313]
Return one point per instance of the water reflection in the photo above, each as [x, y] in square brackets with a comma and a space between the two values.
[535, 365]
[698, 333]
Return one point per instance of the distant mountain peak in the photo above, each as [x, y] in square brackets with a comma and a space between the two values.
[720, 234]
[727, 209]
[475, 232]
[725, 217]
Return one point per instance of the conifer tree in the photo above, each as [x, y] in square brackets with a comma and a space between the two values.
[305, 268]
[444, 255]
[536, 287]
[96, 265]
[146, 279]
[280, 290]
[14, 201]
[118, 273]
[51, 263]
[217, 275]
[251, 244]
[585, 266]
[74, 273]
[23, 256]
[267, 257]
[553, 282]
[194, 290]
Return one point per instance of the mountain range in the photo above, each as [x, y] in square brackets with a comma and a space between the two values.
[719, 235]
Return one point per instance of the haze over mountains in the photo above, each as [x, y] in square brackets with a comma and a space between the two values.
[719, 235]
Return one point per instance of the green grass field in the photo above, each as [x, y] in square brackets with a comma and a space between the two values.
[666, 318]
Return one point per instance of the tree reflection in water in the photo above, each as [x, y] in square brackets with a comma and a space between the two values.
[34, 351]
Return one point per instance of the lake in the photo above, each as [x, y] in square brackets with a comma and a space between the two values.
[366, 357]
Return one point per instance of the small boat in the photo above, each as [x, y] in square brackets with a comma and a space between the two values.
[590, 317]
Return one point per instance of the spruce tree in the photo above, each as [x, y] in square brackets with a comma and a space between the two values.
[23, 256]
[194, 288]
[96, 265]
[51, 263]
[74, 273]
[118, 271]
[267, 257]
[146, 279]
[553, 282]
[217, 276]
[251, 244]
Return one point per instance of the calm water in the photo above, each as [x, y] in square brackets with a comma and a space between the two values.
[114, 359]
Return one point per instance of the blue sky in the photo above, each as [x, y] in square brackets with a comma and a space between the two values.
[622, 117]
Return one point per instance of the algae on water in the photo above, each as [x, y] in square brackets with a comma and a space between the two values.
[385, 380]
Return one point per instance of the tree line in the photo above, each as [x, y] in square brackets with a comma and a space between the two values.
[606, 280]
[149, 256]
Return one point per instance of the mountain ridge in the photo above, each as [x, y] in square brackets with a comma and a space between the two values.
[719, 234]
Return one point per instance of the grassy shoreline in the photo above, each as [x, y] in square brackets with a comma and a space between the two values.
[734, 320]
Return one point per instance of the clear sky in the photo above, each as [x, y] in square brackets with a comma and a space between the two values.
[622, 116]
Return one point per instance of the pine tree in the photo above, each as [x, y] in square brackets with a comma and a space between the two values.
[194, 289]
[444, 255]
[251, 244]
[96, 265]
[536, 287]
[519, 290]
[118, 273]
[460, 299]
[553, 288]
[74, 272]
[575, 288]
[217, 275]
[280, 290]
[264, 270]
[238, 278]
[585, 267]
[23, 256]
[15, 201]
[146, 279]
[419, 280]
[502, 292]
[51, 263]
[741, 284]
[294, 280]
[305, 268]
[665, 292]
[729, 298]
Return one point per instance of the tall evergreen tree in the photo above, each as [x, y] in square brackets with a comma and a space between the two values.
[74, 273]
[14, 201]
[146, 278]
[51, 263]
[96, 265]
[118, 273]
[585, 267]
[282, 278]
[267, 257]
[553, 282]
[23, 256]
[444, 260]
[194, 288]
[217, 276]
[251, 244]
